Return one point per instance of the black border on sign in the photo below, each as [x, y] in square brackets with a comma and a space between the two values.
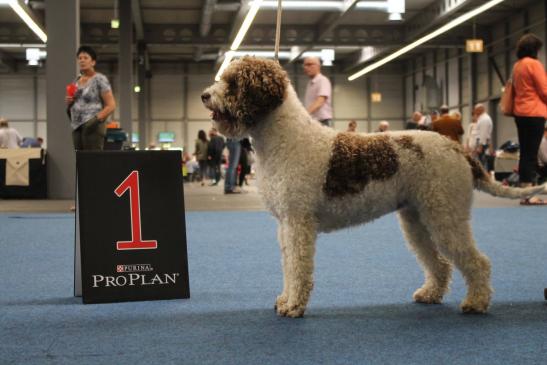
[173, 254]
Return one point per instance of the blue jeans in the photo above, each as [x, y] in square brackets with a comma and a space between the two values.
[234, 149]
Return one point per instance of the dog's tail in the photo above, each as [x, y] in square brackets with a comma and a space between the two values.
[484, 182]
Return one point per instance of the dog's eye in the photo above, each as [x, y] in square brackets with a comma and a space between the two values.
[232, 85]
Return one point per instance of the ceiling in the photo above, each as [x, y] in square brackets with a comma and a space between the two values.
[201, 30]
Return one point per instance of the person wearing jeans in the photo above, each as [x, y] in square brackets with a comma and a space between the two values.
[234, 150]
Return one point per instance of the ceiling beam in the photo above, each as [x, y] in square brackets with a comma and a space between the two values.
[206, 17]
[205, 24]
[137, 19]
[426, 19]
[347, 8]
[259, 35]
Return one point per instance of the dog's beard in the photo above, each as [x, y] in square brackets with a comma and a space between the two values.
[228, 125]
[231, 129]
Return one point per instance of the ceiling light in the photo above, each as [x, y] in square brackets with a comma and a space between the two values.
[27, 19]
[227, 58]
[34, 55]
[115, 22]
[299, 5]
[454, 23]
[246, 24]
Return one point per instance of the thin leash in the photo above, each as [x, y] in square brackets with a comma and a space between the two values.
[278, 29]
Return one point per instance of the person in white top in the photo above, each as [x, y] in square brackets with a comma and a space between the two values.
[318, 92]
[9, 137]
[484, 138]
[472, 136]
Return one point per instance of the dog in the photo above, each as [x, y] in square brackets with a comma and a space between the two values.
[314, 179]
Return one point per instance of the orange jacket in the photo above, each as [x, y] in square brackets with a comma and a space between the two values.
[530, 87]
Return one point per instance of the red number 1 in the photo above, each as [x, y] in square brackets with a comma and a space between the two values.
[131, 182]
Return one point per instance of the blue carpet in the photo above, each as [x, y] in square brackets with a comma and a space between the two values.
[360, 313]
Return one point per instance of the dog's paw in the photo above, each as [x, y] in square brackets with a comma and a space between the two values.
[294, 311]
[474, 308]
[280, 302]
[427, 296]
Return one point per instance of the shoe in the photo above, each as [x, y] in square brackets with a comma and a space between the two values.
[235, 191]
[214, 183]
[537, 201]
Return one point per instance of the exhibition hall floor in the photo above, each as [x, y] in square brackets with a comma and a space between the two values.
[361, 311]
[210, 198]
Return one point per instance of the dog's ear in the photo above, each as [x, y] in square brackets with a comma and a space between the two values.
[261, 85]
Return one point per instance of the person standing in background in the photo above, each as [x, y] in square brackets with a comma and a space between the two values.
[230, 180]
[542, 158]
[91, 104]
[383, 126]
[9, 137]
[484, 135]
[352, 126]
[214, 155]
[318, 92]
[529, 109]
[201, 155]
[245, 161]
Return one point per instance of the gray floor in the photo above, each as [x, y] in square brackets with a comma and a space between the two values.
[209, 198]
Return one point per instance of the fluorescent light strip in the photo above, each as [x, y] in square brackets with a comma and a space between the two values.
[272, 4]
[246, 24]
[28, 20]
[426, 38]
[227, 58]
[325, 5]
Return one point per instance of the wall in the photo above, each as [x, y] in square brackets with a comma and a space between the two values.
[175, 89]
[452, 70]
[175, 103]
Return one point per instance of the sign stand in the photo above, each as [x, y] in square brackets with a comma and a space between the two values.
[130, 229]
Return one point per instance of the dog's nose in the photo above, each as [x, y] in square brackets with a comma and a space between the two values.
[205, 97]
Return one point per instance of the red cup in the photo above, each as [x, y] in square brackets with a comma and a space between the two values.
[71, 90]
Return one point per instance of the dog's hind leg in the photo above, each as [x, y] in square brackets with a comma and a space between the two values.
[298, 249]
[437, 269]
[455, 241]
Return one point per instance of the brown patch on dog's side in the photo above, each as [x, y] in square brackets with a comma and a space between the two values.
[407, 142]
[356, 160]
[479, 173]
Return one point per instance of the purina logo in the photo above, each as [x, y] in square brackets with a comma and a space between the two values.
[134, 268]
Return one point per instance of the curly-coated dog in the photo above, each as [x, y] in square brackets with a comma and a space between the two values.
[314, 179]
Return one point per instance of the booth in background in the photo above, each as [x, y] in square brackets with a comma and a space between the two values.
[23, 173]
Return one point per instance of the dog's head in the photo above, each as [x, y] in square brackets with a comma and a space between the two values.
[249, 89]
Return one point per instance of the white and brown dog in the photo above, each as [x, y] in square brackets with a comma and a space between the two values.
[314, 179]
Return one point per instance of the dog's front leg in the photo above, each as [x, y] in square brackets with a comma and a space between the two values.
[297, 242]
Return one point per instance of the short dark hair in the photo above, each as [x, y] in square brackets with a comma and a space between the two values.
[90, 51]
[528, 46]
